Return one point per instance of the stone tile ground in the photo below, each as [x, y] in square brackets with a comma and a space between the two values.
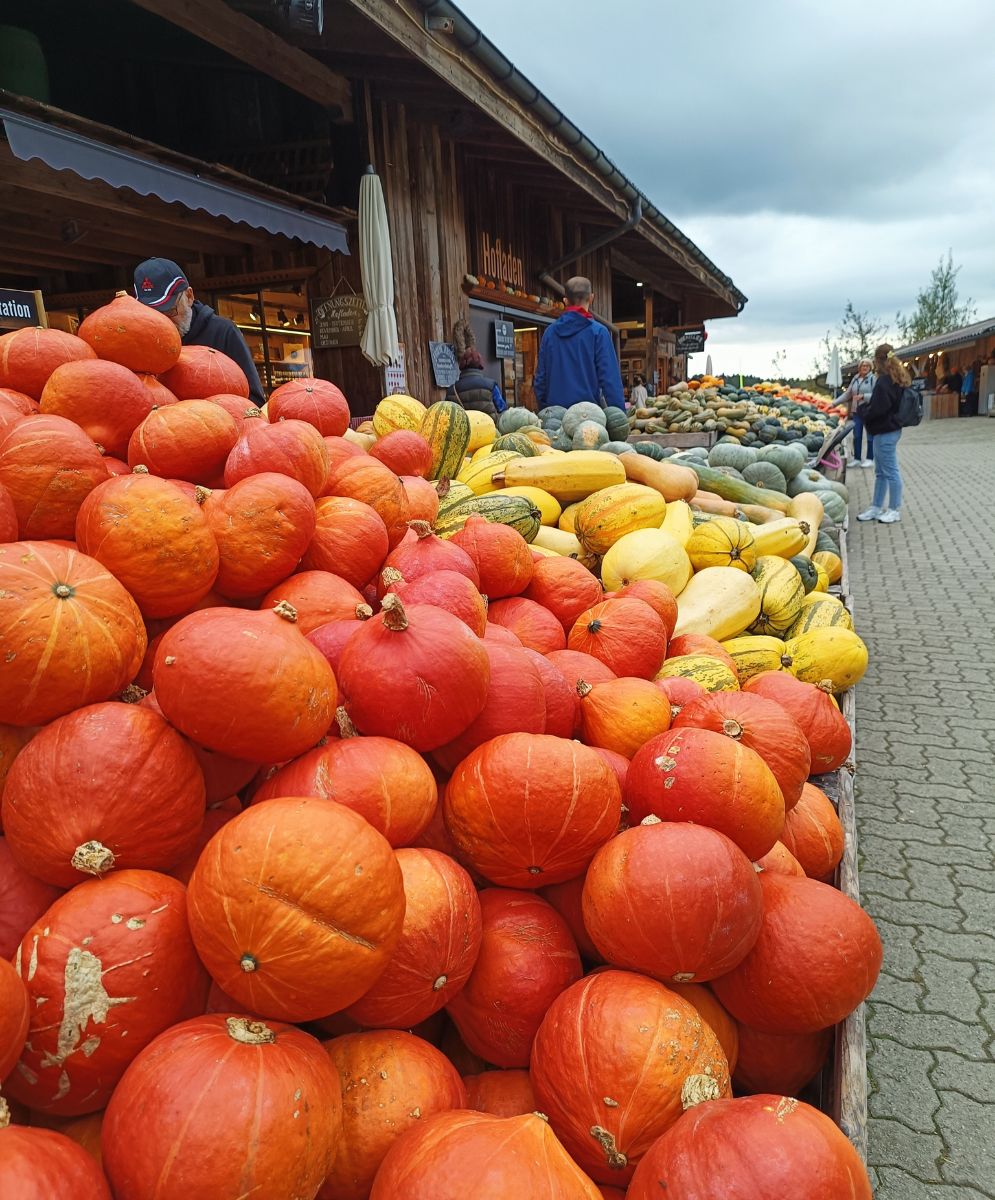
[925, 603]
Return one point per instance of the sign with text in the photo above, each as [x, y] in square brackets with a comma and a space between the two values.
[690, 341]
[395, 376]
[500, 263]
[337, 321]
[18, 310]
[504, 339]
[445, 368]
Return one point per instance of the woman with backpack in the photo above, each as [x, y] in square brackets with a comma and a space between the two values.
[881, 420]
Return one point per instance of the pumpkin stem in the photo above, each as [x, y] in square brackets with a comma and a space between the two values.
[248, 963]
[786, 661]
[583, 688]
[346, 727]
[696, 1089]
[201, 493]
[594, 626]
[394, 616]
[93, 858]
[100, 448]
[63, 591]
[390, 577]
[651, 819]
[133, 694]
[616, 1159]
[141, 469]
[825, 685]
[541, 1116]
[421, 528]
[4, 1113]
[116, 294]
[732, 728]
[440, 983]
[249, 1032]
[252, 414]
[286, 610]
[363, 612]
[442, 488]
[805, 527]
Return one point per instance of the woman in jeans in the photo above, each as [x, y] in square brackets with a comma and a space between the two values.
[855, 397]
[881, 421]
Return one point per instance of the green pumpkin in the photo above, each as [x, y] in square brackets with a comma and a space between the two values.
[618, 448]
[789, 459]
[589, 435]
[651, 450]
[807, 570]
[765, 475]
[834, 505]
[515, 418]
[552, 415]
[518, 442]
[730, 454]
[576, 414]
[617, 423]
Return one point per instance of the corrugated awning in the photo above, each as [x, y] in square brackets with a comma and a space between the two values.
[956, 337]
[64, 150]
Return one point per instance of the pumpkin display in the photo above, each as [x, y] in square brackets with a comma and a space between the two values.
[384, 781]
[500, 1093]
[263, 1090]
[332, 638]
[752, 1148]
[315, 401]
[533, 625]
[654, 593]
[817, 957]
[363, 478]
[500, 554]
[29, 356]
[137, 795]
[36, 1163]
[128, 332]
[437, 669]
[545, 833]
[615, 1058]
[816, 713]
[516, 703]
[459, 1154]
[439, 944]
[762, 725]
[813, 834]
[673, 900]
[782, 1063]
[451, 591]
[14, 1017]
[262, 526]
[189, 440]
[695, 775]
[565, 588]
[562, 704]
[420, 552]
[316, 597]
[404, 452]
[780, 861]
[391, 1081]
[626, 635]
[527, 958]
[108, 967]
[203, 371]
[23, 899]
[286, 688]
[349, 539]
[291, 448]
[107, 401]
[422, 498]
[126, 522]
[567, 899]
[296, 906]
[701, 997]
[722, 542]
[71, 634]
[48, 466]
[622, 714]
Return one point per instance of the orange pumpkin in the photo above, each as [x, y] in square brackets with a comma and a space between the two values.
[577, 667]
[654, 593]
[214, 818]
[42, 1162]
[710, 779]
[545, 833]
[626, 635]
[451, 591]
[161, 395]
[29, 356]
[128, 332]
[817, 714]
[386, 782]
[567, 899]
[296, 907]
[18, 402]
[679, 691]
[700, 643]
[423, 499]
[235, 406]
[500, 554]
[23, 899]
[128, 522]
[317, 597]
[498, 633]
[561, 701]
[534, 626]
[332, 638]
[527, 957]
[14, 1017]
[672, 900]
[291, 448]
[565, 587]
[202, 371]
[107, 401]
[813, 834]
[782, 1063]
[188, 440]
[613, 1062]
[71, 634]
[420, 552]
[622, 714]
[780, 861]
[350, 539]
[315, 401]
[501, 1093]
[48, 466]
[391, 1082]
[363, 478]
[714, 1016]
[404, 451]
[262, 526]
[817, 957]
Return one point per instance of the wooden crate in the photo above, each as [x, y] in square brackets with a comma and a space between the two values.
[679, 441]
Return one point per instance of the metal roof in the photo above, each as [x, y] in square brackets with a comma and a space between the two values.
[944, 341]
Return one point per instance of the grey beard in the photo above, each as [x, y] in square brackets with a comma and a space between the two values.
[184, 323]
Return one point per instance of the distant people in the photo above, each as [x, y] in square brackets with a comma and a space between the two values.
[162, 285]
[639, 395]
[577, 360]
[881, 421]
[969, 390]
[475, 389]
[952, 383]
[855, 397]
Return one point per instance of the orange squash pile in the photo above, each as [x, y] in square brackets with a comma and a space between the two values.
[345, 860]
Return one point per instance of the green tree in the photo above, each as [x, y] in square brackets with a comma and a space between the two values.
[857, 334]
[938, 307]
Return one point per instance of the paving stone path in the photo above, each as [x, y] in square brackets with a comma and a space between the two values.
[925, 603]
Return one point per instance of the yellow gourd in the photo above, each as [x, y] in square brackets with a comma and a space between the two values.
[479, 475]
[819, 610]
[482, 451]
[569, 515]
[573, 476]
[785, 537]
[756, 653]
[712, 673]
[608, 515]
[822, 583]
[831, 563]
[722, 542]
[781, 594]
[398, 412]
[483, 431]
[828, 653]
[646, 554]
[717, 601]
[807, 506]
[678, 522]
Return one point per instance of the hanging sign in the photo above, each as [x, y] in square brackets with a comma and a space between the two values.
[690, 341]
[445, 368]
[394, 375]
[18, 310]
[504, 339]
[337, 321]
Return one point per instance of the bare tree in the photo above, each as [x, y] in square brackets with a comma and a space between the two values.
[856, 336]
[938, 308]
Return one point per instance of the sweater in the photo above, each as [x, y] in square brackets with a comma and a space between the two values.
[880, 413]
[577, 362]
[208, 329]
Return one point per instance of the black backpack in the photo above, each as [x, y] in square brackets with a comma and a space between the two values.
[909, 408]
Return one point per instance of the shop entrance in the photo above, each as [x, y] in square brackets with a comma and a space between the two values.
[513, 371]
[276, 325]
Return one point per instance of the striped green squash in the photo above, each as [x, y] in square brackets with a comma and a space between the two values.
[518, 442]
[518, 512]
[781, 594]
[818, 614]
[446, 428]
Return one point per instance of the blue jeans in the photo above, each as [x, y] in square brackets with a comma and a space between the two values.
[858, 439]
[887, 479]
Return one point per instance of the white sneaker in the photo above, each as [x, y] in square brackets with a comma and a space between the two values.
[870, 514]
[867, 462]
[890, 516]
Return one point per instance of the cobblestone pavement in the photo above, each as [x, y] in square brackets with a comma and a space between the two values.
[926, 812]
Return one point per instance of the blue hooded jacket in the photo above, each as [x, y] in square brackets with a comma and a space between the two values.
[577, 362]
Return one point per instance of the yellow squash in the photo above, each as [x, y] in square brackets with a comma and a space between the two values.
[756, 653]
[547, 505]
[817, 611]
[718, 601]
[481, 451]
[398, 412]
[831, 563]
[712, 673]
[573, 476]
[646, 554]
[807, 507]
[608, 515]
[483, 431]
[677, 521]
[479, 475]
[722, 542]
[569, 515]
[828, 653]
[823, 578]
[781, 594]
[785, 537]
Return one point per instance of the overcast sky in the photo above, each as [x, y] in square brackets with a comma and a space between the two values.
[817, 152]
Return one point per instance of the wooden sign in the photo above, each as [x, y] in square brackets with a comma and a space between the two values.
[445, 368]
[690, 341]
[337, 321]
[504, 339]
[498, 262]
[20, 310]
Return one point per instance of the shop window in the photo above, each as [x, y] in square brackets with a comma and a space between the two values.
[277, 329]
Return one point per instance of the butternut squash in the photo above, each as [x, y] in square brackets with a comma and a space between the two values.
[708, 502]
[672, 482]
[807, 506]
[678, 522]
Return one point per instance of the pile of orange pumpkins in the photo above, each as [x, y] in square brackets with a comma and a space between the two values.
[340, 860]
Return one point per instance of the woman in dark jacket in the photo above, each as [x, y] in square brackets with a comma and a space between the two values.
[476, 390]
[880, 415]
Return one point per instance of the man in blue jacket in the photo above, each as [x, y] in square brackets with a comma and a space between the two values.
[577, 359]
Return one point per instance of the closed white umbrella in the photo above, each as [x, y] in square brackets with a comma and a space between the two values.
[708, 365]
[379, 341]
[834, 377]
